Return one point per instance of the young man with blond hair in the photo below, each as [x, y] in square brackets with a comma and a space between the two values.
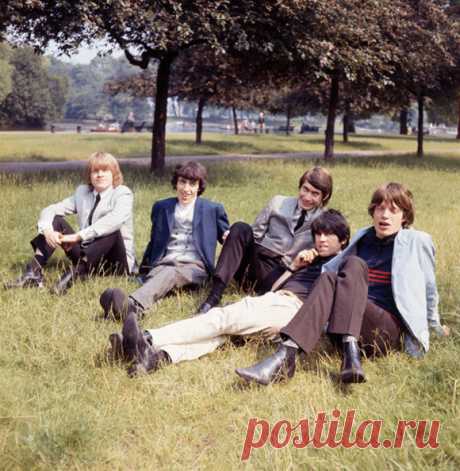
[104, 209]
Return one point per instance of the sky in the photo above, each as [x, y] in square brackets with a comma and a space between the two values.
[83, 56]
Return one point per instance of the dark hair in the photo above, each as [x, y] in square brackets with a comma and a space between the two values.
[193, 171]
[394, 194]
[332, 221]
[321, 179]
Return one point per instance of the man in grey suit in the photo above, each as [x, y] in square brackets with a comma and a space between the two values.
[258, 254]
[105, 241]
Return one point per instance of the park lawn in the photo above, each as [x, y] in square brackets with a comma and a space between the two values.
[63, 405]
[44, 146]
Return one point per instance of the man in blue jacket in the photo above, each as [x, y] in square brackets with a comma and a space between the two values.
[181, 251]
[377, 295]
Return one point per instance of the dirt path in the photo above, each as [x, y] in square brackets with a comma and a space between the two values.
[144, 162]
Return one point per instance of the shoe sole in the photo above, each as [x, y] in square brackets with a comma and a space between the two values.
[352, 376]
[251, 379]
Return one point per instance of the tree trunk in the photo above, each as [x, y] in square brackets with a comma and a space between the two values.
[403, 129]
[420, 101]
[159, 120]
[199, 120]
[458, 124]
[333, 102]
[288, 120]
[235, 120]
[346, 121]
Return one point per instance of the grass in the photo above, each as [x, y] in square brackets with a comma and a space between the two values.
[43, 146]
[63, 405]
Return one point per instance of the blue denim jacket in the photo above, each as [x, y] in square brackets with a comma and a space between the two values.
[413, 283]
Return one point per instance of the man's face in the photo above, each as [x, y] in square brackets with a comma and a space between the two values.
[309, 196]
[327, 244]
[388, 219]
[187, 190]
[101, 179]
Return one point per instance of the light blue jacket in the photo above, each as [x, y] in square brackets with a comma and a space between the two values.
[413, 282]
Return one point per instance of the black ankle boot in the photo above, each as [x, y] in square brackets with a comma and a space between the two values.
[280, 365]
[351, 370]
[79, 271]
[31, 278]
[213, 298]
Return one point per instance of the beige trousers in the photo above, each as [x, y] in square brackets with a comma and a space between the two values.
[194, 337]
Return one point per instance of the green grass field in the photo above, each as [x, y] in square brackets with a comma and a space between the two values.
[44, 146]
[64, 406]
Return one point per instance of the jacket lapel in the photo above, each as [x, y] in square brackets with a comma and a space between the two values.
[197, 214]
[170, 213]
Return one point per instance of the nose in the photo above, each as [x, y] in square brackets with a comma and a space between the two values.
[322, 237]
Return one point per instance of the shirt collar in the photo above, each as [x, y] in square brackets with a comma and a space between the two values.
[104, 193]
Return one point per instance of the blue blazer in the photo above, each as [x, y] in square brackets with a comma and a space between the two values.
[210, 221]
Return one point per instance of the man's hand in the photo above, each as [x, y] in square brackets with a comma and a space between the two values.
[69, 240]
[224, 235]
[53, 238]
[304, 258]
[446, 330]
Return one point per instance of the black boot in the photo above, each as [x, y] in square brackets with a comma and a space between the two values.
[117, 304]
[116, 344]
[80, 271]
[31, 278]
[351, 370]
[272, 369]
[137, 349]
[214, 297]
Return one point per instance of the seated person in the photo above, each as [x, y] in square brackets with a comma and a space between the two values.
[378, 291]
[258, 254]
[191, 338]
[104, 208]
[181, 251]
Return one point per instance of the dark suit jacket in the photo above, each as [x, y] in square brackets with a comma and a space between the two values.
[209, 224]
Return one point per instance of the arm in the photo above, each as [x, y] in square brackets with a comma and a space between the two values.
[63, 208]
[432, 298]
[303, 258]
[111, 222]
[144, 266]
[222, 223]
[260, 226]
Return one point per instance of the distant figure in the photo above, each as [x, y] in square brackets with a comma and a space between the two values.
[128, 125]
[78, 129]
[261, 122]
[53, 129]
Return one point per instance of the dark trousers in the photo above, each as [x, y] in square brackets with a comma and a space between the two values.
[246, 261]
[106, 253]
[341, 299]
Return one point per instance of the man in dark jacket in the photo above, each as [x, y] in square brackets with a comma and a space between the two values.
[181, 251]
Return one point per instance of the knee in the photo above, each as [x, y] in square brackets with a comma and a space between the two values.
[354, 265]
[240, 230]
[58, 222]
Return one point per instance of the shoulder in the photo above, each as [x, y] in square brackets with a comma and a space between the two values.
[83, 190]
[205, 203]
[122, 190]
[279, 201]
[415, 237]
[166, 203]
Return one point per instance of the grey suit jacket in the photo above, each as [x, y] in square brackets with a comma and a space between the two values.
[274, 227]
[114, 212]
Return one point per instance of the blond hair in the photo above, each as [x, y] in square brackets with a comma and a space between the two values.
[104, 160]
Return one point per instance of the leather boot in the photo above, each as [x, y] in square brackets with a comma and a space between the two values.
[280, 365]
[117, 304]
[116, 342]
[137, 349]
[351, 370]
[31, 278]
[67, 279]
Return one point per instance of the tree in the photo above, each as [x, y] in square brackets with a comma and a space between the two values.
[29, 104]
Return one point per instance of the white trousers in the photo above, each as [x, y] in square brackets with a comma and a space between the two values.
[191, 338]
